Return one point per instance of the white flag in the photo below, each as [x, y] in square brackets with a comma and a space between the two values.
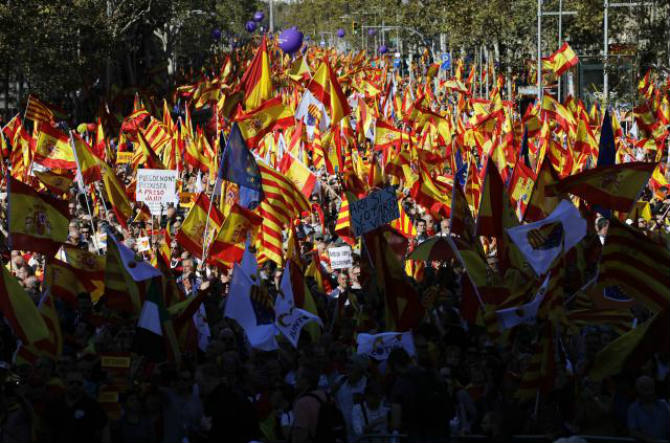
[379, 346]
[510, 317]
[290, 320]
[541, 242]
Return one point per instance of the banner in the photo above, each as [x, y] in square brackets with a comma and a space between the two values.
[340, 257]
[377, 209]
[156, 188]
[379, 346]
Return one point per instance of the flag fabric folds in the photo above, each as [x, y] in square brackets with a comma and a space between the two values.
[37, 222]
[637, 265]
[239, 166]
[543, 241]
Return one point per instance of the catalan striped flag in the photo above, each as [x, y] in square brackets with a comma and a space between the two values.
[343, 223]
[282, 203]
[256, 79]
[637, 264]
[37, 222]
[403, 224]
[38, 111]
[156, 135]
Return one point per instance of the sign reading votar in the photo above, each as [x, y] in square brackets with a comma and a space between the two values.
[156, 188]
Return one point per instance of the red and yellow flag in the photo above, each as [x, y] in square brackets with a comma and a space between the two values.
[192, 233]
[229, 244]
[561, 60]
[53, 148]
[267, 117]
[256, 79]
[20, 311]
[37, 222]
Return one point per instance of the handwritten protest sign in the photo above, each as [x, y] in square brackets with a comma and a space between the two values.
[340, 257]
[377, 209]
[156, 188]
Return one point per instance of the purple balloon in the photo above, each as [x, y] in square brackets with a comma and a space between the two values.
[216, 34]
[372, 31]
[259, 16]
[383, 49]
[290, 40]
[340, 33]
[250, 26]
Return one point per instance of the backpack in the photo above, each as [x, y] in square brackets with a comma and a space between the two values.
[331, 426]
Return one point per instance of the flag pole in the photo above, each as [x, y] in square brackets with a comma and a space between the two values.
[211, 200]
[80, 187]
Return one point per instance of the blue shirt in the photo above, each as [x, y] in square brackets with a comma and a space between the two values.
[653, 421]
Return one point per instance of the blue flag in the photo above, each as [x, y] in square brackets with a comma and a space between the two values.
[606, 150]
[238, 166]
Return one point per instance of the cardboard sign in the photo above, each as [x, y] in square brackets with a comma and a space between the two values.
[340, 257]
[156, 188]
[123, 158]
[373, 211]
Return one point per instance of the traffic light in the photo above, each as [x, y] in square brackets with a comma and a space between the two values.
[354, 25]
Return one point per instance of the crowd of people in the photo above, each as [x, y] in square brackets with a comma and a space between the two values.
[461, 376]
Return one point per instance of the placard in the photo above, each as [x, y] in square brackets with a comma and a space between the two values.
[156, 188]
[373, 211]
[340, 257]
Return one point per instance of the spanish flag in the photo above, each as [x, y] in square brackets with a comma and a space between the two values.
[256, 79]
[53, 148]
[192, 232]
[55, 183]
[37, 222]
[269, 116]
[229, 244]
[560, 61]
[387, 135]
[298, 173]
[613, 187]
[19, 310]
